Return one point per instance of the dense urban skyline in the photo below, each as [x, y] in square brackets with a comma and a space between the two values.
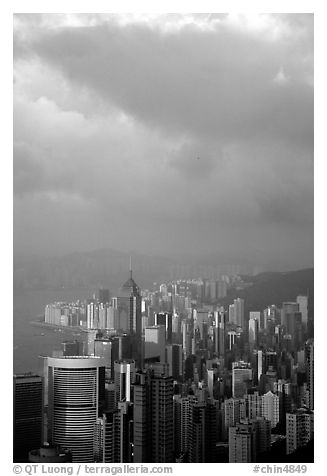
[195, 131]
[171, 375]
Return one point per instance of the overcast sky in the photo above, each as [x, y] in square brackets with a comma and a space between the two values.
[165, 134]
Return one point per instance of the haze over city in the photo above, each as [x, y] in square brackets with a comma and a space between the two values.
[165, 134]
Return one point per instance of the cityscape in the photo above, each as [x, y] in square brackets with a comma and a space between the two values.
[163, 240]
[169, 375]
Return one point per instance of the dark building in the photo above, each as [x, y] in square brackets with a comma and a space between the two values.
[104, 296]
[50, 454]
[28, 421]
[174, 358]
[108, 348]
[72, 348]
[165, 319]
[153, 416]
[309, 359]
[129, 307]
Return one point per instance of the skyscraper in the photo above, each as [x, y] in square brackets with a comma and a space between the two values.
[174, 358]
[303, 308]
[165, 319]
[153, 415]
[129, 305]
[76, 397]
[253, 331]
[309, 359]
[162, 419]
[182, 416]
[239, 312]
[108, 348]
[142, 417]
[28, 415]
[124, 378]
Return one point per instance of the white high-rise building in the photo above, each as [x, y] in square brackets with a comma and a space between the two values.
[303, 308]
[259, 364]
[90, 314]
[270, 408]
[231, 314]
[76, 396]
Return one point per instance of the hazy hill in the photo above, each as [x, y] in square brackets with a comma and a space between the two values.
[275, 288]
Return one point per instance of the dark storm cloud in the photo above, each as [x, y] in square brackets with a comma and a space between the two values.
[203, 128]
[215, 84]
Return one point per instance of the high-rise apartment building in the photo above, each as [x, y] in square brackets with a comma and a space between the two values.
[162, 419]
[234, 410]
[28, 415]
[241, 378]
[153, 415]
[76, 397]
[309, 360]
[263, 427]
[182, 417]
[242, 441]
[299, 429]
[107, 438]
[270, 408]
[253, 405]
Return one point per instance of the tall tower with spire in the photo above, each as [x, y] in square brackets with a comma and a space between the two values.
[129, 306]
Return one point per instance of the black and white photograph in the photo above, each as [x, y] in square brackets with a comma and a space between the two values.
[163, 241]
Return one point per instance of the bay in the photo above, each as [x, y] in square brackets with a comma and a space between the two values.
[28, 341]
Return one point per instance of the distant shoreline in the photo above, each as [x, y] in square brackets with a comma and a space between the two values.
[54, 326]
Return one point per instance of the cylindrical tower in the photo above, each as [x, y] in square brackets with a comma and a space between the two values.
[76, 394]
